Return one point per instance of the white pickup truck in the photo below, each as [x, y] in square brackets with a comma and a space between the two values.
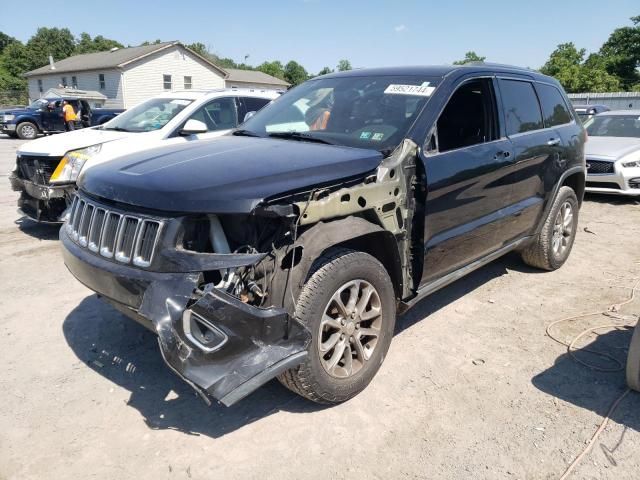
[46, 169]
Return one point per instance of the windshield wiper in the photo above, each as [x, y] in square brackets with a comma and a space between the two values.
[305, 137]
[245, 133]
[116, 129]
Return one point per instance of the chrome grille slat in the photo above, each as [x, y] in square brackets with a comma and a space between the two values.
[120, 236]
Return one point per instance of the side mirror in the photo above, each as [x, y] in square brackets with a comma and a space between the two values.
[248, 116]
[193, 127]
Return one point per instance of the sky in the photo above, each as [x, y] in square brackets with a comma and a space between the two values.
[318, 33]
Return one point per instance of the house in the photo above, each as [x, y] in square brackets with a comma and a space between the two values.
[128, 76]
[253, 79]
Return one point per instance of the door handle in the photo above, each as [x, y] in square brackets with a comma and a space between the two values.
[502, 153]
[553, 142]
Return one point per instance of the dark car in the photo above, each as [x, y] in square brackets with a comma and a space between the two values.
[287, 248]
[45, 116]
[585, 112]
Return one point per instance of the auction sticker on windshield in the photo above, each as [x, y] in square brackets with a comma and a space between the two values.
[423, 90]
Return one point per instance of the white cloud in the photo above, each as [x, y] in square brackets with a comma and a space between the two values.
[400, 28]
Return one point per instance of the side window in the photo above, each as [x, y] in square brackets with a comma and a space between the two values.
[469, 118]
[553, 106]
[219, 114]
[521, 107]
[102, 82]
[166, 82]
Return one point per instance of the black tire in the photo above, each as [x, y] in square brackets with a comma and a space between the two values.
[540, 253]
[27, 131]
[331, 271]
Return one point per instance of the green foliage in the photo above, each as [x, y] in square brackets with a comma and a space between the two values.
[622, 54]
[58, 42]
[294, 73]
[5, 40]
[568, 66]
[85, 44]
[275, 69]
[470, 56]
[344, 65]
[325, 71]
[200, 48]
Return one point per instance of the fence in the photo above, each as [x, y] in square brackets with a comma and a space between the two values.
[13, 98]
[614, 100]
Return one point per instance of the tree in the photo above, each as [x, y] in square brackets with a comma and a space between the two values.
[85, 44]
[567, 65]
[344, 65]
[275, 69]
[469, 57]
[621, 53]
[199, 48]
[294, 73]
[325, 71]
[5, 40]
[58, 42]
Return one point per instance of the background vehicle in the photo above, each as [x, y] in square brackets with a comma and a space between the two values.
[585, 112]
[285, 248]
[45, 116]
[47, 168]
[613, 153]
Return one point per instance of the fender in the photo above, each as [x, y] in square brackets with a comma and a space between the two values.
[567, 173]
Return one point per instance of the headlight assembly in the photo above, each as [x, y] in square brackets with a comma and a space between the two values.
[7, 118]
[71, 164]
[631, 164]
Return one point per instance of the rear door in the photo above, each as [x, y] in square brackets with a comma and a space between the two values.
[467, 189]
[537, 151]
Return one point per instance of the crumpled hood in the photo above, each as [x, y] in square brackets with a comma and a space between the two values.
[225, 175]
[612, 147]
[58, 145]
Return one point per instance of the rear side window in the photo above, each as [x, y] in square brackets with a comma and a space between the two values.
[521, 107]
[554, 107]
[255, 104]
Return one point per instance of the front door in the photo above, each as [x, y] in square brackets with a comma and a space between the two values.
[466, 181]
[52, 118]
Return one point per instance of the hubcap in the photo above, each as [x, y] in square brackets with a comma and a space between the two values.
[350, 328]
[28, 131]
[562, 229]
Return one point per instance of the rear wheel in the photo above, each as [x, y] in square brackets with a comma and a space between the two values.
[27, 131]
[553, 244]
[348, 304]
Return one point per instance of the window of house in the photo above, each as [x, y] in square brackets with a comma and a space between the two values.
[64, 81]
[554, 107]
[219, 114]
[101, 81]
[74, 81]
[187, 83]
[166, 82]
[521, 108]
[40, 89]
[469, 118]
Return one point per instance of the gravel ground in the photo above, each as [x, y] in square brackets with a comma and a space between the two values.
[471, 387]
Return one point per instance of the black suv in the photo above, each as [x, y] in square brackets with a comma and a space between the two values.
[287, 247]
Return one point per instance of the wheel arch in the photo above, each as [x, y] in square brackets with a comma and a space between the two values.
[576, 181]
[351, 232]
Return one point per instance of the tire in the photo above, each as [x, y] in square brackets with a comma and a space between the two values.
[354, 271]
[543, 252]
[633, 361]
[12, 135]
[27, 131]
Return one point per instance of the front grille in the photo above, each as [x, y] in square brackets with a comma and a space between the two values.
[37, 169]
[599, 167]
[123, 237]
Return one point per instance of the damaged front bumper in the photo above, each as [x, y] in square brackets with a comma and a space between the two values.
[42, 203]
[213, 340]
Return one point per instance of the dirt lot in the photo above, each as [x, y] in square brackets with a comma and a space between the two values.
[471, 388]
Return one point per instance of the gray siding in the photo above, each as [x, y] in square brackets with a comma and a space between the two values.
[86, 81]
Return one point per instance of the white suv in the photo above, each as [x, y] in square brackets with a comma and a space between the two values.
[46, 169]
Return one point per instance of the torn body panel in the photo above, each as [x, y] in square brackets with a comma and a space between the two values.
[220, 290]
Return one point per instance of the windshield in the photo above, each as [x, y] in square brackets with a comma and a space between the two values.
[373, 112]
[150, 115]
[38, 104]
[614, 126]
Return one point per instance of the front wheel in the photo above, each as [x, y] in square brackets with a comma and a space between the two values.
[27, 131]
[348, 304]
[553, 244]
